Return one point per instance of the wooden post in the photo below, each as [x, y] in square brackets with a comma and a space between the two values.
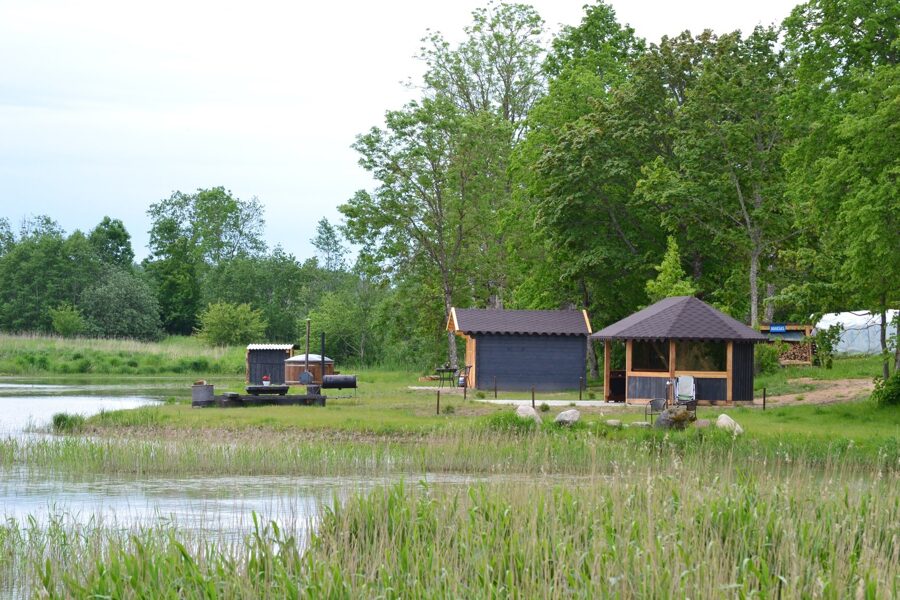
[606, 347]
[764, 398]
[306, 360]
[532, 396]
[672, 359]
[729, 368]
[465, 388]
[495, 387]
[580, 387]
[438, 409]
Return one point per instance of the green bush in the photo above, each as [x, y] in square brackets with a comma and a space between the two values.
[65, 422]
[887, 393]
[544, 407]
[766, 358]
[67, 320]
[122, 306]
[509, 422]
[227, 324]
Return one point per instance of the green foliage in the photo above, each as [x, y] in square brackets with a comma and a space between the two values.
[766, 356]
[122, 305]
[330, 249]
[112, 243]
[671, 279]
[67, 423]
[226, 324]
[826, 341]
[887, 391]
[544, 407]
[67, 320]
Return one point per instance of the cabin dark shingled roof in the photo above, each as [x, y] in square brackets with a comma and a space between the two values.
[530, 322]
[679, 318]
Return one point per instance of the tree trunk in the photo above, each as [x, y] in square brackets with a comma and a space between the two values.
[770, 303]
[885, 362]
[754, 286]
[451, 337]
[591, 353]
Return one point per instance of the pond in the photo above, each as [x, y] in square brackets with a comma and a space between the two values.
[25, 407]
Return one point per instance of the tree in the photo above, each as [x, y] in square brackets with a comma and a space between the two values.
[841, 117]
[671, 279]
[112, 242]
[175, 269]
[67, 320]
[121, 306]
[329, 248]
[727, 179]
[226, 324]
[7, 239]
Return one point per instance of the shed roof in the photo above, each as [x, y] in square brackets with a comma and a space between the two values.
[530, 322]
[679, 318]
[271, 346]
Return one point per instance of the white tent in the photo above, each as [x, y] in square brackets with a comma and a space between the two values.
[861, 331]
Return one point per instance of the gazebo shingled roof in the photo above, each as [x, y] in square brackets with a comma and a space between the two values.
[679, 318]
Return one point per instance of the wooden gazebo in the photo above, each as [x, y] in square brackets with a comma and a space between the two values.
[682, 336]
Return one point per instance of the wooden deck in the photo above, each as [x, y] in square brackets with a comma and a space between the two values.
[241, 400]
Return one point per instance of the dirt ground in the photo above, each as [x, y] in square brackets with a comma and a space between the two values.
[822, 392]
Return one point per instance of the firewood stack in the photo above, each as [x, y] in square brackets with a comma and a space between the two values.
[797, 352]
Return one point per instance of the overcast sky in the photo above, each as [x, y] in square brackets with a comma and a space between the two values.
[108, 106]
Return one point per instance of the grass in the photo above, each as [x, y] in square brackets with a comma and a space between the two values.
[784, 381]
[656, 524]
[29, 354]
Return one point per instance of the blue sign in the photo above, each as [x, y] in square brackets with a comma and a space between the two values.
[777, 328]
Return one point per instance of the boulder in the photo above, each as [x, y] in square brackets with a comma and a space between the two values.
[728, 424]
[701, 423]
[568, 418]
[640, 424]
[526, 412]
[614, 423]
[676, 417]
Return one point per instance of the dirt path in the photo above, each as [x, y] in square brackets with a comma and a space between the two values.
[822, 392]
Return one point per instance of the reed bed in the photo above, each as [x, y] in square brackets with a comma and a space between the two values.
[679, 529]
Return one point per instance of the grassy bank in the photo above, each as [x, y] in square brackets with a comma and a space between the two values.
[175, 355]
[656, 523]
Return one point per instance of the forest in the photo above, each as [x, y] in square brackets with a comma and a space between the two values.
[590, 169]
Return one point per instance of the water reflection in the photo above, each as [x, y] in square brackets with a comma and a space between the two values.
[20, 413]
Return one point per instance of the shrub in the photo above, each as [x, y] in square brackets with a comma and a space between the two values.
[67, 320]
[544, 407]
[122, 306]
[480, 395]
[448, 409]
[509, 422]
[65, 422]
[887, 392]
[826, 341]
[766, 358]
[227, 324]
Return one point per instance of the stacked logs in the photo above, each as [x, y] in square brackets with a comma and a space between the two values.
[797, 352]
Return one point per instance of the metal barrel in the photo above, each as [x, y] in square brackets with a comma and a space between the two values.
[338, 382]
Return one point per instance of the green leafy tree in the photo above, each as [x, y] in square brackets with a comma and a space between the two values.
[226, 324]
[121, 305]
[175, 270]
[329, 248]
[67, 320]
[112, 242]
[671, 279]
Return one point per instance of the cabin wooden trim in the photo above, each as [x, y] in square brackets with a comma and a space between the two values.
[729, 372]
[587, 322]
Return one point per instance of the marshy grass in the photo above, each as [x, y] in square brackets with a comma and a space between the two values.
[660, 529]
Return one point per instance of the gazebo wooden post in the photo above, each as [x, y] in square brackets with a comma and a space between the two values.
[671, 370]
[627, 367]
[729, 369]
[606, 347]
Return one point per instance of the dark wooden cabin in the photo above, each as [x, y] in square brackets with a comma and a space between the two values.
[267, 359]
[682, 336]
[518, 349]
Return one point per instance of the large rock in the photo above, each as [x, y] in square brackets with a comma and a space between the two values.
[641, 424]
[701, 423]
[677, 417]
[568, 417]
[614, 423]
[728, 424]
[526, 412]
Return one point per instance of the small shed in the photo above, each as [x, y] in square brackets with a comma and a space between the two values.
[799, 349]
[267, 359]
[518, 349]
[683, 336]
[295, 366]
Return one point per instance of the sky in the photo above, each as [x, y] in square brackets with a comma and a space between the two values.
[108, 106]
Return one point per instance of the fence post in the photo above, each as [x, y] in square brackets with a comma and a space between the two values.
[764, 398]
[465, 392]
[532, 396]
[580, 387]
[495, 387]
[438, 409]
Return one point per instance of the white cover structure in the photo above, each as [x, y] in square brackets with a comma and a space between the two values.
[861, 331]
